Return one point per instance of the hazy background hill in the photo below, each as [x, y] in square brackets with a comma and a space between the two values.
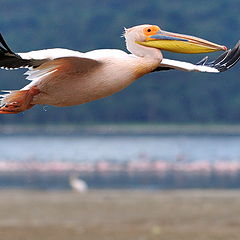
[159, 97]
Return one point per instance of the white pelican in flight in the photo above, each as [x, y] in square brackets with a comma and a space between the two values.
[62, 77]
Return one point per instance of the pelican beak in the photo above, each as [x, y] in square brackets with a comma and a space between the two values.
[180, 43]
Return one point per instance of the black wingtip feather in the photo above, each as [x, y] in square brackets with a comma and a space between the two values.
[11, 60]
[203, 61]
[4, 44]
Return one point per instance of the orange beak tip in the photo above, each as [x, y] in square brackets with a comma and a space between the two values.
[225, 48]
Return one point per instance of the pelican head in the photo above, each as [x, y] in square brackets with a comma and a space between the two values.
[152, 36]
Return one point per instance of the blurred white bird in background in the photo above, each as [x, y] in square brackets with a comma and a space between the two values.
[77, 184]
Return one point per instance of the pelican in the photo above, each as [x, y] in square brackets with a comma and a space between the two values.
[63, 77]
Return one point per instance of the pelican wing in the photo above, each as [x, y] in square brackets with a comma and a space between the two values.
[10, 60]
[44, 62]
[224, 62]
[64, 67]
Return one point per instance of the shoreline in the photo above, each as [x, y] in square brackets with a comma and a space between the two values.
[122, 129]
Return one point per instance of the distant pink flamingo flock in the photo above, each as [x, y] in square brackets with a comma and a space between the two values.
[132, 166]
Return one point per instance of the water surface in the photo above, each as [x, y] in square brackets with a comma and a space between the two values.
[119, 148]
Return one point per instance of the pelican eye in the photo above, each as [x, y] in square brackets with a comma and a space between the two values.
[148, 31]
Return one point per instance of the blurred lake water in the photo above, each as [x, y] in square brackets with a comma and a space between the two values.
[119, 148]
[45, 161]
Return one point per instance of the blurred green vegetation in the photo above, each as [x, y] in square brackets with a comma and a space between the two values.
[158, 97]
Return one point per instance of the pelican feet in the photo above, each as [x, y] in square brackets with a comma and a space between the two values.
[13, 107]
[18, 101]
